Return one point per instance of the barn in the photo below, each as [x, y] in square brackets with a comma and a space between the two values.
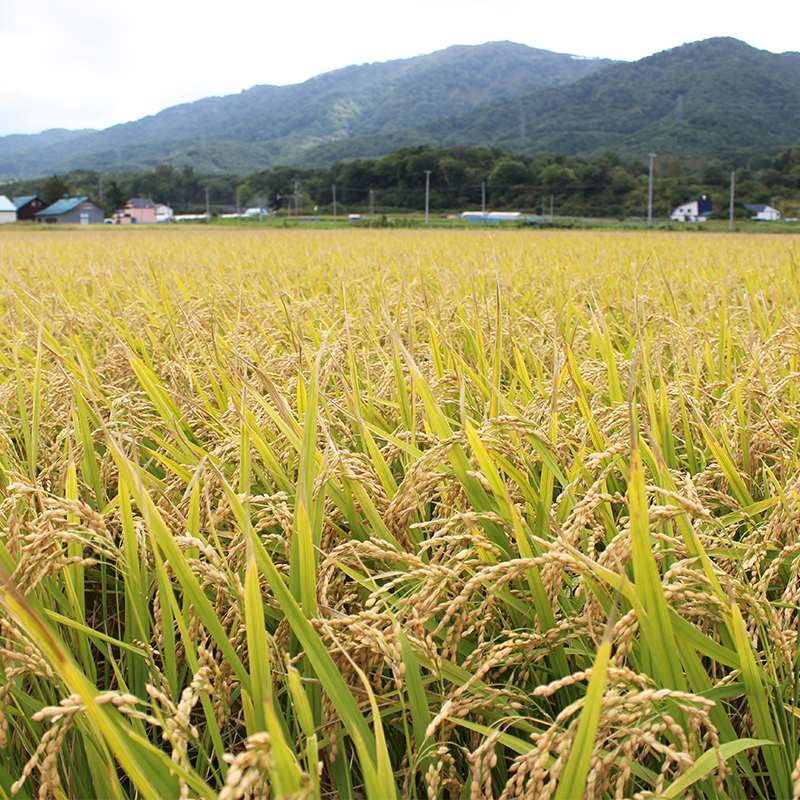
[28, 206]
[71, 211]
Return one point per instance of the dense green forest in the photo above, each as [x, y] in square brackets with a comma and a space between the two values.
[601, 186]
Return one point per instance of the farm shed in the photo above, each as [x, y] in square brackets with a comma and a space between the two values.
[71, 211]
[764, 212]
[8, 211]
[28, 206]
[696, 211]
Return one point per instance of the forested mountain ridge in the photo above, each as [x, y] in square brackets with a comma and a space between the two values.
[266, 124]
[703, 100]
[23, 141]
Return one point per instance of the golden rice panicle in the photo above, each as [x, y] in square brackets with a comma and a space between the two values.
[361, 513]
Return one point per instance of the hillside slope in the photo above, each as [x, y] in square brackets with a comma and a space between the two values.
[267, 124]
[702, 100]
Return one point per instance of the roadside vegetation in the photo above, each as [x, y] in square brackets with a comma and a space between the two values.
[394, 514]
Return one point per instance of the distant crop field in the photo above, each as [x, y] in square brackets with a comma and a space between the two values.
[399, 514]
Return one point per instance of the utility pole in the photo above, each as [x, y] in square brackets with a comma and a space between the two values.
[427, 193]
[333, 189]
[730, 221]
[208, 208]
[651, 156]
[551, 208]
[483, 200]
[371, 205]
[296, 197]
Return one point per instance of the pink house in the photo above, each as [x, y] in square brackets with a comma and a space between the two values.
[137, 209]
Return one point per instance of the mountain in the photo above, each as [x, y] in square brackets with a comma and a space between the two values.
[266, 125]
[13, 146]
[704, 100]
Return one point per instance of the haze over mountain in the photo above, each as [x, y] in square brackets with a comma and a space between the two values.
[267, 125]
[706, 99]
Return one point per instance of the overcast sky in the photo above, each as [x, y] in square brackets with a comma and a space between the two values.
[95, 63]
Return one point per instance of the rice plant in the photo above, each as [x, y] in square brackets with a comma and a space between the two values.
[399, 515]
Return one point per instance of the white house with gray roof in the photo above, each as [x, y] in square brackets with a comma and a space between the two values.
[763, 211]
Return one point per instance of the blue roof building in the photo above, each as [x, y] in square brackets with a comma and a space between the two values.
[72, 211]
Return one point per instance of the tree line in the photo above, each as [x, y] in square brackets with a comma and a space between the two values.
[600, 186]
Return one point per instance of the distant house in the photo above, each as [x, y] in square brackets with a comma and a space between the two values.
[8, 211]
[696, 211]
[140, 210]
[764, 212]
[28, 206]
[72, 211]
[164, 213]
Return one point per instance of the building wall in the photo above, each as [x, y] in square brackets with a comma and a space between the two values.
[142, 215]
[684, 212]
[688, 212]
[163, 213]
[74, 217]
[7, 216]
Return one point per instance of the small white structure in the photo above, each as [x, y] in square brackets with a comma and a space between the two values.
[764, 212]
[696, 211]
[353, 217]
[164, 213]
[8, 211]
[256, 212]
[493, 216]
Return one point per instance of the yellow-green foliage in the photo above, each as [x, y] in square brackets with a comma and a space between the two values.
[398, 514]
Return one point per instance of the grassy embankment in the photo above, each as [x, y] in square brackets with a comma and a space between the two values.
[452, 222]
[397, 514]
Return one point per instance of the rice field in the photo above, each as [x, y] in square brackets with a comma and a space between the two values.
[387, 514]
